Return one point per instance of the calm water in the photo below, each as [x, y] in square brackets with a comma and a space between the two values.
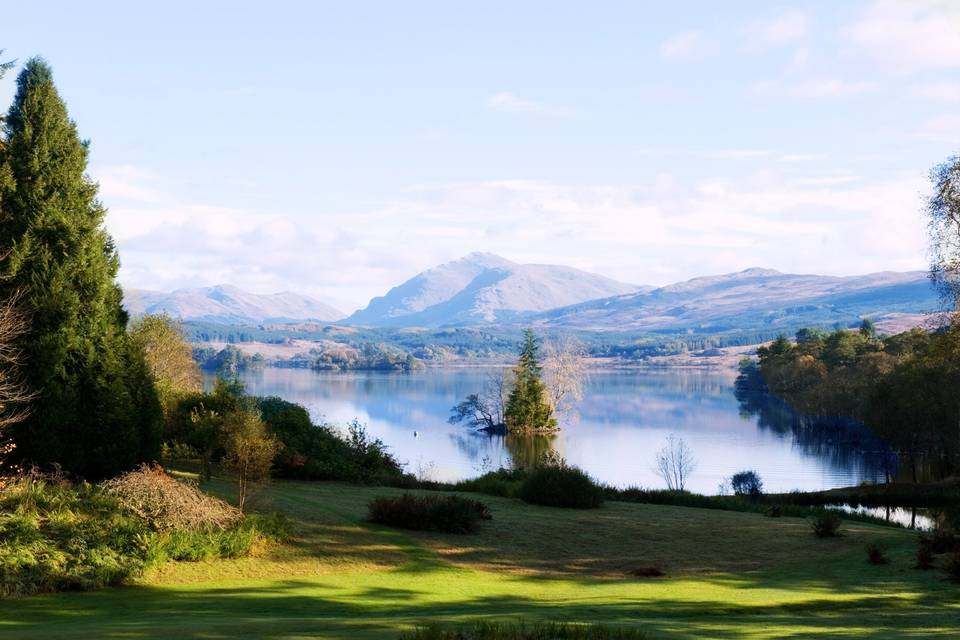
[624, 418]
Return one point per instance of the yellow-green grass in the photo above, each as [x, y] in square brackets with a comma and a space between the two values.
[730, 575]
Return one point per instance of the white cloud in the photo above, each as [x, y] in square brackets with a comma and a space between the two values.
[945, 128]
[907, 37]
[681, 46]
[788, 28]
[512, 103]
[661, 230]
[826, 87]
[939, 91]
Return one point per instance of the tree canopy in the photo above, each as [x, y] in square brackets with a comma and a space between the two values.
[96, 411]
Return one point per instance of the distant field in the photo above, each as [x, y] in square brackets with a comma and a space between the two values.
[730, 575]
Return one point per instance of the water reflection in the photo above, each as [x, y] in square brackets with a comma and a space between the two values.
[623, 420]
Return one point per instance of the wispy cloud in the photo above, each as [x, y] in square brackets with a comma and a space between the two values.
[945, 128]
[682, 46]
[789, 28]
[945, 91]
[835, 224]
[907, 37]
[825, 87]
[508, 102]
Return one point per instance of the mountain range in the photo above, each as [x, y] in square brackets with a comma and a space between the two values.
[227, 304]
[484, 289]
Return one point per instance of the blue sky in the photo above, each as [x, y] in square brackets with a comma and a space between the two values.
[338, 148]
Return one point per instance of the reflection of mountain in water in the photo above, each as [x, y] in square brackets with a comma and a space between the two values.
[842, 442]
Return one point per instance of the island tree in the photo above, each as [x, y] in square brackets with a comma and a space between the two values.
[96, 412]
[528, 408]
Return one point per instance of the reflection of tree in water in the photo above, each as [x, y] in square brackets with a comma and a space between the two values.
[524, 451]
[842, 442]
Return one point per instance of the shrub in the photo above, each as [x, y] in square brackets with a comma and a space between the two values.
[826, 525]
[166, 503]
[924, 554]
[56, 536]
[942, 540]
[647, 572]
[952, 566]
[567, 487]
[503, 483]
[774, 511]
[450, 514]
[524, 631]
[875, 554]
[746, 483]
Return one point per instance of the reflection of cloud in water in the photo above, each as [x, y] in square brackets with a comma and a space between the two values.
[623, 420]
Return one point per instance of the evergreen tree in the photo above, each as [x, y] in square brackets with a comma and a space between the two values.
[97, 412]
[528, 408]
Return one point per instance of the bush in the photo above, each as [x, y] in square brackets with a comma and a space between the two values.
[56, 536]
[774, 511]
[166, 503]
[450, 514]
[924, 554]
[746, 483]
[875, 554]
[942, 540]
[567, 487]
[952, 566]
[524, 631]
[503, 483]
[826, 525]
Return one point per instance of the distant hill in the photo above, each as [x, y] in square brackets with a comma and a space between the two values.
[755, 299]
[482, 288]
[226, 304]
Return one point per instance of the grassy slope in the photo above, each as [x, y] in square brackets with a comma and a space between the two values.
[342, 578]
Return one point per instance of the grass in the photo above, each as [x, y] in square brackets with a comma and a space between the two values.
[729, 575]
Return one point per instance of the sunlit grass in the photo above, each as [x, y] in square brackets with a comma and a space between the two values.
[729, 575]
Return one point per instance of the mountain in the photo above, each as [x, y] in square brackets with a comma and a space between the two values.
[482, 288]
[751, 300]
[226, 304]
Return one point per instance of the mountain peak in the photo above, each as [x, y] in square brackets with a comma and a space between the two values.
[758, 272]
[481, 288]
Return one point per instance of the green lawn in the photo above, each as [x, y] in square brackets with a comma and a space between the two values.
[730, 575]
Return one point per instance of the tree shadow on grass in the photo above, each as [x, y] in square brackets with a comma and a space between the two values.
[294, 608]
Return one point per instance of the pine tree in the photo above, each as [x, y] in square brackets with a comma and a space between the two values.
[97, 412]
[528, 409]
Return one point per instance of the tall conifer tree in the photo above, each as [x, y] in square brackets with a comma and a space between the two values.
[96, 412]
[528, 407]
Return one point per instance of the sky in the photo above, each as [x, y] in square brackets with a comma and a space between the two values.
[337, 149]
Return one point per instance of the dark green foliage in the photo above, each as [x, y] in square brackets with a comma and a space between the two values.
[924, 554]
[875, 554]
[313, 452]
[774, 511]
[567, 487]
[504, 483]
[952, 566]
[826, 525]
[524, 631]
[97, 412]
[902, 387]
[447, 513]
[746, 483]
[528, 408]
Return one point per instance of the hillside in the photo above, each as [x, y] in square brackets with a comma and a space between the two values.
[226, 304]
[755, 299]
[482, 288]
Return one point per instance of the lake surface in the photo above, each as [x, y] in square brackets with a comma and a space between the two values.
[622, 421]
